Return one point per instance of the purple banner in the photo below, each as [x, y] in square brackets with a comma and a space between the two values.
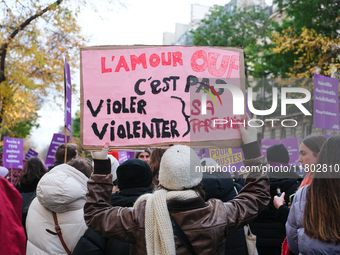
[13, 152]
[326, 103]
[125, 155]
[232, 158]
[31, 153]
[292, 145]
[57, 139]
[199, 152]
[68, 96]
[266, 143]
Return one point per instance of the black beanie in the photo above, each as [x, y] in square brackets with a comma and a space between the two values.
[134, 173]
[278, 153]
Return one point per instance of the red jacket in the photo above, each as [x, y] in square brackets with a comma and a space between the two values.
[12, 237]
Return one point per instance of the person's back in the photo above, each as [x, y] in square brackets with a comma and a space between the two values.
[224, 189]
[134, 178]
[148, 227]
[61, 191]
[59, 158]
[28, 181]
[269, 230]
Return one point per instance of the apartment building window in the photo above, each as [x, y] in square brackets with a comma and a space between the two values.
[293, 130]
[283, 133]
[273, 134]
[305, 130]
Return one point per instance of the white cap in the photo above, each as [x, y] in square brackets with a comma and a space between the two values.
[178, 168]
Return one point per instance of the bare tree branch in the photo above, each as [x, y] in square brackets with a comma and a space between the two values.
[4, 46]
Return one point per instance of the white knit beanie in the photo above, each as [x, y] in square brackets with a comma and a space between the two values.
[114, 166]
[180, 168]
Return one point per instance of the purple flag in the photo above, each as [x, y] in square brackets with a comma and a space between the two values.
[266, 143]
[199, 152]
[31, 153]
[56, 141]
[326, 103]
[13, 152]
[68, 96]
[292, 145]
[125, 155]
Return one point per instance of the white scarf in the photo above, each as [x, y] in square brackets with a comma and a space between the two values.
[159, 234]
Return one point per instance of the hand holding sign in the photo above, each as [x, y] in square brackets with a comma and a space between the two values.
[248, 135]
[101, 154]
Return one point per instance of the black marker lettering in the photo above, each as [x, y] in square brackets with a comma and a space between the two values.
[89, 105]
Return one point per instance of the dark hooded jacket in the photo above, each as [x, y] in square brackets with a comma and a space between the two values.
[270, 231]
[223, 189]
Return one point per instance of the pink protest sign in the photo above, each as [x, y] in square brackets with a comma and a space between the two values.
[147, 96]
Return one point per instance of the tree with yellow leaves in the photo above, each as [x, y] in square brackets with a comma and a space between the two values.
[313, 53]
[35, 38]
[307, 41]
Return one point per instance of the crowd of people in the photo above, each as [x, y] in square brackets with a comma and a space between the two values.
[158, 203]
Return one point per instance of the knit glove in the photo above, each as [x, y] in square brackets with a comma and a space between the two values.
[102, 164]
[250, 145]
[101, 154]
[248, 135]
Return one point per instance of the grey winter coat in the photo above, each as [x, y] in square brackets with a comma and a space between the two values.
[298, 241]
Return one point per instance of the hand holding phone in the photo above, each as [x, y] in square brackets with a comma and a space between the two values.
[279, 200]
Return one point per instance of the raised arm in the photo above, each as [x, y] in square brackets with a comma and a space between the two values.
[255, 195]
[113, 222]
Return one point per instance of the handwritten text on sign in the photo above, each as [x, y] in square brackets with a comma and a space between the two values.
[142, 96]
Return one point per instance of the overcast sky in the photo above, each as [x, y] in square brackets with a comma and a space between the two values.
[140, 22]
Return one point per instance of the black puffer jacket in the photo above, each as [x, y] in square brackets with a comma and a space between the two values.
[223, 189]
[270, 231]
[92, 243]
